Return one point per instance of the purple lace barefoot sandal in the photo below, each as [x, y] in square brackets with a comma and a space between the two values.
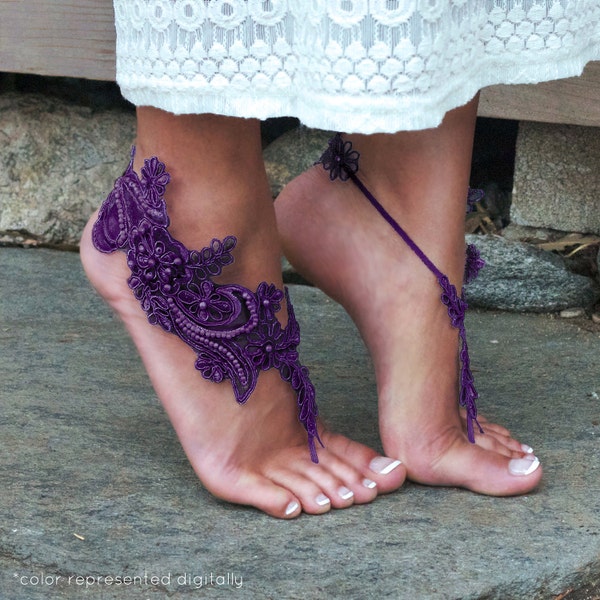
[233, 330]
[342, 162]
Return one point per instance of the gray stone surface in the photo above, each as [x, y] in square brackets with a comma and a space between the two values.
[292, 153]
[58, 162]
[557, 177]
[521, 277]
[94, 483]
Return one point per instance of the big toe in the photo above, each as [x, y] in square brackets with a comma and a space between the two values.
[384, 473]
[484, 471]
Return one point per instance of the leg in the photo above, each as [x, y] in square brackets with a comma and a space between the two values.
[338, 241]
[257, 453]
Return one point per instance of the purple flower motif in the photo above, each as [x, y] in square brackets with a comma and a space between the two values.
[211, 305]
[269, 300]
[155, 178]
[156, 260]
[197, 297]
[267, 346]
[473, 264]
[339, 159]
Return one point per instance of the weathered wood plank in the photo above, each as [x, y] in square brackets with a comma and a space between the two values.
[76, 38]
[574, 101]
[73, 38]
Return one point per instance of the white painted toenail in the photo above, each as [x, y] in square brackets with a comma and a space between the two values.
[384, 465]
[322, 500]
[523, 466]
[527, 449]
[345, 493]
[292, 507]
[369, 484]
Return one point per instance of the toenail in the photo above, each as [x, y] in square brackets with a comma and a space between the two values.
[523, 466]
[292, 507]
[368, 483]
[345, 493]
[322, 500]
[527, 449]
[384, 465]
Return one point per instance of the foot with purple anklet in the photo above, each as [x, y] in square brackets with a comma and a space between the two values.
[386, 239]
[185, 251]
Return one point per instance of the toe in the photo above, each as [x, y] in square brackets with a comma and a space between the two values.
[489, 472]
[379, 473]
[312, 497]
[499, 443]
[339, 481]
[497, 439]
[253, 489]
[504, 476]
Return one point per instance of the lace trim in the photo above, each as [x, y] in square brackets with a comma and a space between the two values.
[363, 65]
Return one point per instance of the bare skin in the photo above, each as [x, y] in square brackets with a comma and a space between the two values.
[337, 240]
[255, 454]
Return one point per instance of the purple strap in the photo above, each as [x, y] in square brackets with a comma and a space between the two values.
[233, 330]
[342, 162]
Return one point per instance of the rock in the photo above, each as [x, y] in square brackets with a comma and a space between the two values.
[557, 177]
[572, 313]
[59, 162]
[293, 153]
[521, 277]
[521, 233]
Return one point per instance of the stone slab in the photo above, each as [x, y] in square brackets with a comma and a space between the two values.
[94, 483]
[557, 179]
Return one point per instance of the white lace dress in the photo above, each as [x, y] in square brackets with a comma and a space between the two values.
[353, 65]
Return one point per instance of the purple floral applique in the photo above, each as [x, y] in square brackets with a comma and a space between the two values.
[234, 331]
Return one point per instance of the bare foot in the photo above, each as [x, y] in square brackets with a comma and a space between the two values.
[255, 454]
[338, 241]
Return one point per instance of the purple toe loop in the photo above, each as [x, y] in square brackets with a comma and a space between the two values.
[342, 162]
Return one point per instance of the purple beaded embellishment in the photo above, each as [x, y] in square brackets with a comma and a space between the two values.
[342, 162]
[233, 330]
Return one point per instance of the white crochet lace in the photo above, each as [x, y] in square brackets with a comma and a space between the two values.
[352, 65]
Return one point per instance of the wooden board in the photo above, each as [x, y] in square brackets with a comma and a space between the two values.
[72, 38]
[76, 38]
[573, 101]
